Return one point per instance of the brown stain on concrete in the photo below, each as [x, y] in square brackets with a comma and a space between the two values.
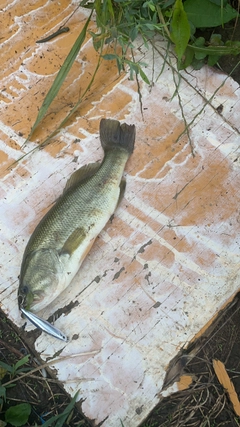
[41, 63]
[117, 104]
[157, 252]
[20, 33]
[3, 157]
[197, 196]
[156, 149]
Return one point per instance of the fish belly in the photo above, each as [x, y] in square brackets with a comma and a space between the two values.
[93, 223]
[92, 228]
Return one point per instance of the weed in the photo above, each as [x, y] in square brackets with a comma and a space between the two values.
[120, 22]
[18, 415]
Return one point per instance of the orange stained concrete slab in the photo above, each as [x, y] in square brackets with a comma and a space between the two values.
[169, 261]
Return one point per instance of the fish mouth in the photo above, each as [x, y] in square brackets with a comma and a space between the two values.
[27, 298]
[21, 301]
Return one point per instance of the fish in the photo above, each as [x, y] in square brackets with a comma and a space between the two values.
[44, 325]
[64, 236]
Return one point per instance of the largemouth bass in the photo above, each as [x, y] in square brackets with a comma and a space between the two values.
[66, 233]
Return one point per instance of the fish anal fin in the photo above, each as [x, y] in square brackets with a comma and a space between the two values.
[122, 190]
[73, 241]
[82, 174]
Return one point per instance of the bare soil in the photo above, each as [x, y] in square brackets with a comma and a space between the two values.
[230, 64]
[205, 402]
[46, 397]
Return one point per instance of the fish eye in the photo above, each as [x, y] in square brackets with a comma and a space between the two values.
[25, 289]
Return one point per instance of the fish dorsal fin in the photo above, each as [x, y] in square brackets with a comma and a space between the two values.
[81, 175]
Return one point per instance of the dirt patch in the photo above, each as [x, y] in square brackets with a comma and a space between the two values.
[230, 64]
[46, 397]
[206, 402]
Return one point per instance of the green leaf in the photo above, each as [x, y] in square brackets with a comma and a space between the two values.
[61, 418]
[120, 66]
[167, 3]
[186, 59]
[180, 28]
[109, 56]
[3, 392]
[216, 40]
[200, 42]
[7, 367]
[229, 49]
[197, 64]
[152, 7]
[205, 14]
[133, 33]
[97, 42]
[233, 46]
[3, 372]
[143, 75]
[219, 2]
[18, 415]
[21, 362]
[151, 26]
[213, 59]
[61, 76]
[109, 8]
[200, 55]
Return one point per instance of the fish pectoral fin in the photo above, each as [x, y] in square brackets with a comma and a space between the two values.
[73, 241]
[82, 174]
[122, 190]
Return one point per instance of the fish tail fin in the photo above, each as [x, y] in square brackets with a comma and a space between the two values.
[113, 134]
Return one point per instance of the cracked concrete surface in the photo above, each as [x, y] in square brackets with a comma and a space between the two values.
[170, 257]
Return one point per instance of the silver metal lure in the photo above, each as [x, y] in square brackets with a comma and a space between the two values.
[44, 325]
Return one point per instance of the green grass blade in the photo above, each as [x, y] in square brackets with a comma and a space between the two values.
[64, 121]
[7, 367]
[22, 361]
[231, 48]
[61, 76]
[59, 420]
[46, 141]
